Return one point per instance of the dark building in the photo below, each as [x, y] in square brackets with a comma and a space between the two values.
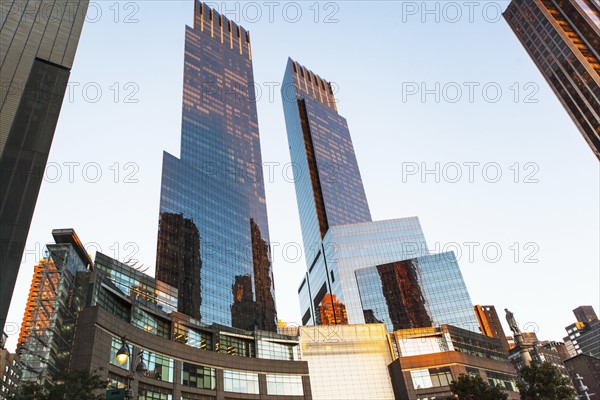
[584, 335]
[562, 37]
[588, 368]
[10, 373]
[39, 40]
[213, 196]
[429, 359]
[541, 352]
[178, 260]
[585, 314]
[490, 325]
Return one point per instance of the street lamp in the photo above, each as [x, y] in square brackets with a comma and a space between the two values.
[123, 353]
[122, 357]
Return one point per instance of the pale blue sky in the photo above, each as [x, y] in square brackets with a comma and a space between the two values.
[374, 53]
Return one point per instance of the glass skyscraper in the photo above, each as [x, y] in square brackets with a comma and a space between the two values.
[414, 293]
[339, 236]
[213, 240]
[38, 41]
[562, 37]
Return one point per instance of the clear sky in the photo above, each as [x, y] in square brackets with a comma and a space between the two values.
[449, 84]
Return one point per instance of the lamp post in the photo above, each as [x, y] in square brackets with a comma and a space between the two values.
[122, 357]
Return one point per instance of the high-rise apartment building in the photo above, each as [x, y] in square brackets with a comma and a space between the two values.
[489, 323]
[213, 240]
[583, 336]
[562, 37]
[38, 41]
[340, 239]
[55, 298]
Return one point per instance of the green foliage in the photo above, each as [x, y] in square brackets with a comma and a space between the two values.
[67, 385]
[474, 388]
[544, 382]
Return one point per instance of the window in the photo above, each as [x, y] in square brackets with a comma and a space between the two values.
[501, 380]
[149, 392]
[433, 377]
[287, 385]
[159, 367]
[198, 376]
[235, 346]
[193, 396]
[192, 337]
[240, 382]
[116, 381]
[277, 351]
[151, 323]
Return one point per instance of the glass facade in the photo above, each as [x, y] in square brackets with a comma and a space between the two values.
[134, 283]
[345, 249]
[39, 41]
[213, 232]
[277, 351]
[286, 385]
[415, 293]
[149, 392]
[329, 187]
[431, 377]
[561, 37]
[421, 341]
[55, 298]
[240, 382]
[198, 376]
[339, 235]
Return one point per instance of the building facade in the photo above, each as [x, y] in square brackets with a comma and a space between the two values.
[490, 325]
[57, 294]
[588, 368]
[583, 336]
[429, 359]
[348, 361]
[86, 311]
[213, 240]
[39, 40]
[415, 293]
[562, 37]
[339, 235]
[10, 370]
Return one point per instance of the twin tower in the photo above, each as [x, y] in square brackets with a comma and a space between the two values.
[213, 241]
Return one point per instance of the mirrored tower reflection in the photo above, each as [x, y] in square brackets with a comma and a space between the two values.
[216, 186]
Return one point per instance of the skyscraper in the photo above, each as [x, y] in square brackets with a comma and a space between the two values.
[38, 41]
[213, 240]
[340, 239]
[489, 323]
[55, 298]
[562, 37]
[584, 335]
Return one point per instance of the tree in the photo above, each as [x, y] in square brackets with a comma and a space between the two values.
[67, 385]
[544, 382]
[474, 388]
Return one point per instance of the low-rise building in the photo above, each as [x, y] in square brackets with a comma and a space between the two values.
[431, 358]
